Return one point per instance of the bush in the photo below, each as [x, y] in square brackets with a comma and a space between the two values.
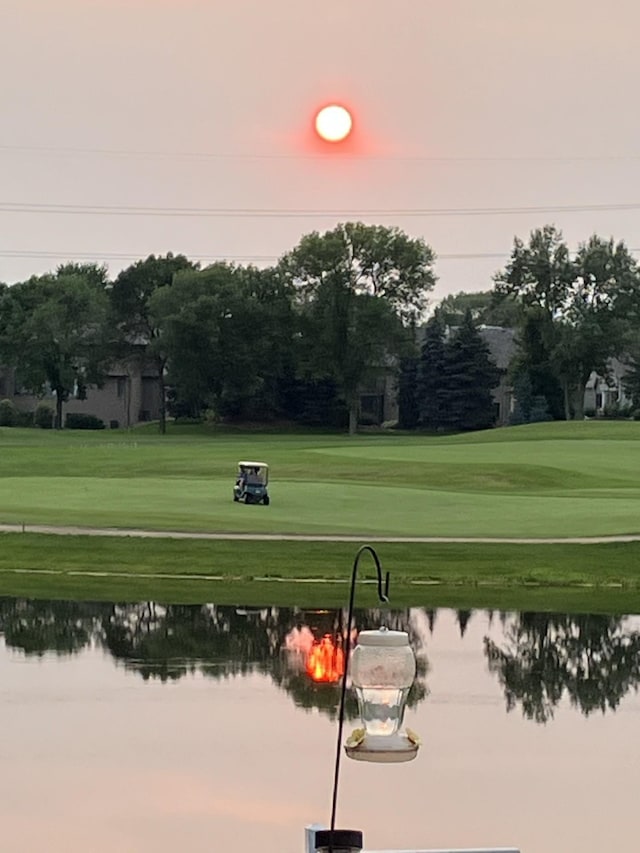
[7, 413]
[23, 419]
[187, 421]
[78, 420]
[590, 413]
[615, 411]
[367, 420]
[43, 416]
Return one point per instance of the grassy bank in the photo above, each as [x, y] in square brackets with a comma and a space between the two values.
[597, 578]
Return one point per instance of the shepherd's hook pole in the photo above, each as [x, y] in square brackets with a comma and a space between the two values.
[383, 595]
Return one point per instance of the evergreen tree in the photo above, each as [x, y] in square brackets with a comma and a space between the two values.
[469, 375]
[408, 410]
[431, 378]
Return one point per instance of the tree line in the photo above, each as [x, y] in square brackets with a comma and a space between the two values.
[295, 341]
[299, 340]
[573, 314]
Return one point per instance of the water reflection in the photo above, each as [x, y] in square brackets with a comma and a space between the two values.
[167, 642]
[593, 660]
[537, 658]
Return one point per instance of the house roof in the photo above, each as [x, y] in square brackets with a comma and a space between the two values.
[501, 343]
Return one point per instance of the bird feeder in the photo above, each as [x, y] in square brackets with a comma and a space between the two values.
[383, 668]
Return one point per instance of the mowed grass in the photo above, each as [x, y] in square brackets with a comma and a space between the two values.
[583, 578]
[547, 480]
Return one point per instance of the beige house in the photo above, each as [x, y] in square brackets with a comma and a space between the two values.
[603, 392]
[130, 395]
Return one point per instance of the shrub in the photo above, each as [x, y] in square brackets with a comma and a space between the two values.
[590, 413]
[7, 413]
[616, 411]
[114, 424]
[78, 420]
[43, 416]
[367, 420]
[23, 419]
[187, 421]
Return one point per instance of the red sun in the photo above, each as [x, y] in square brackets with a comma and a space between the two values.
[333, 123]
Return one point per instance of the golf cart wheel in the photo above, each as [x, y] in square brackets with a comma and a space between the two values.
[248, 499]
[235, 497]
[266, 500]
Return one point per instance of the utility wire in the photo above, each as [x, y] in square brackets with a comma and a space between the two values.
[124, 256]
[295, 213]
[333, 155]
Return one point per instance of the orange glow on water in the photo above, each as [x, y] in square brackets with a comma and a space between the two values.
[325, 661]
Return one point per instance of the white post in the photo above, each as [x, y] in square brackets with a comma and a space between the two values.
[310, 837]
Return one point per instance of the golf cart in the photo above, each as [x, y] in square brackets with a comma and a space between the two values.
[251, 483]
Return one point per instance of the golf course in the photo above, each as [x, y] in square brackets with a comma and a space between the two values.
[556, 481]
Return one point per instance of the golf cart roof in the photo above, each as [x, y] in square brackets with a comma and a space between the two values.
[252, 465]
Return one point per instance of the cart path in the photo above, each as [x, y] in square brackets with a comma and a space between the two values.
[123, 532]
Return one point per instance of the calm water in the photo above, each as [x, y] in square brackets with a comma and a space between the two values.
[141, 728]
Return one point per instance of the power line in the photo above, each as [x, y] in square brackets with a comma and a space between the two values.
[125, 256]
[333, 155]
[122, 256]
[302, 213]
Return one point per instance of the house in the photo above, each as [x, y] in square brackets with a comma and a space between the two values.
[603, 392]
[379, 399]
[129, 395]
[502, 348]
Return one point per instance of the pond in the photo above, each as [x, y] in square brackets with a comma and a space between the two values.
[146, 727]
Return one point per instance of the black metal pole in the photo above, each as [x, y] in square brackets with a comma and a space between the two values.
[383, 595]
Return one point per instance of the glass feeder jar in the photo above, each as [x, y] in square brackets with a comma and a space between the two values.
[383, 668]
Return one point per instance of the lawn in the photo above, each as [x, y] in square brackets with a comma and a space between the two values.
[550, 480]
[547, 480]
[595, 578]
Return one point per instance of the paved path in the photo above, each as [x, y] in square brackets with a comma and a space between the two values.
[303, 537]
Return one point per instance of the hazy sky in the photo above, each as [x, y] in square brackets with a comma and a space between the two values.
[207, 104]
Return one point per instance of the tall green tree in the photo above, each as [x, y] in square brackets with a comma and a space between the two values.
[580, 306]
[130, 299]
[431, 387]
[54, 330]
[408, 404]
[593, 326]
[469, 377]
[226, 334]
[356, 285]
[487, 308]
[95, 274]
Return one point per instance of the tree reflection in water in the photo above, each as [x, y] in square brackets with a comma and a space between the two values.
[167, 642]
[593, 660]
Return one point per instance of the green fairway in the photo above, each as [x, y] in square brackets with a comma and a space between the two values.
[547, 480]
